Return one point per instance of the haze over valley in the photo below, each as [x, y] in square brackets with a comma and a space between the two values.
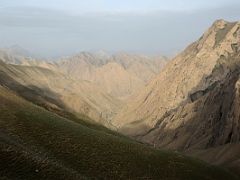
[132, 111]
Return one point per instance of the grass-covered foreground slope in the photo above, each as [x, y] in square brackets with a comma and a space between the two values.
[37, 144]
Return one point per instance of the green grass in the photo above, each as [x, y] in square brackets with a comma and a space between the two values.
[37, 144]
[80, 119]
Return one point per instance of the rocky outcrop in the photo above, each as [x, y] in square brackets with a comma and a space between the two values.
[209, 119]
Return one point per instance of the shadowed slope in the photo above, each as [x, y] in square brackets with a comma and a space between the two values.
[54, 90]
[36, 144]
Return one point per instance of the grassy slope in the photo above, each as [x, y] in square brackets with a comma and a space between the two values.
[37, 144]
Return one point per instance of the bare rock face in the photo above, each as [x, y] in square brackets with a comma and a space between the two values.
[193, 105]
[194, 101]
[209, 118]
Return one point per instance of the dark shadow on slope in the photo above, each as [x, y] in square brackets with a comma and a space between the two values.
[54, 148]
[211, 104]
[39, 96]
[49, 100]
[209, 118]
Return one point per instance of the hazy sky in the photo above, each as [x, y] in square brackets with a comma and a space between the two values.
[60, 27]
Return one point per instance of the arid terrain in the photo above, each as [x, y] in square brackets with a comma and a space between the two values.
[124, 115]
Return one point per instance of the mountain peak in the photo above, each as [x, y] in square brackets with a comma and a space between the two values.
[102, 54]
[221, 38]
[18, 51]
[184, 73]
[220, 23]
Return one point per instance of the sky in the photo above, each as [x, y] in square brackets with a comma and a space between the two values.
[54, 28]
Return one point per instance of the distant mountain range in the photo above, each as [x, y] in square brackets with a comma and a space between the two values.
[93, 84]
[120, 75]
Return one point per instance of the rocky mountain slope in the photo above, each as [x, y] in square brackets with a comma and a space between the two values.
[38, 144]
[55, 91]
[191, 106]
[194, 102]
[15, 56]
[91, 84]
[120, 75]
